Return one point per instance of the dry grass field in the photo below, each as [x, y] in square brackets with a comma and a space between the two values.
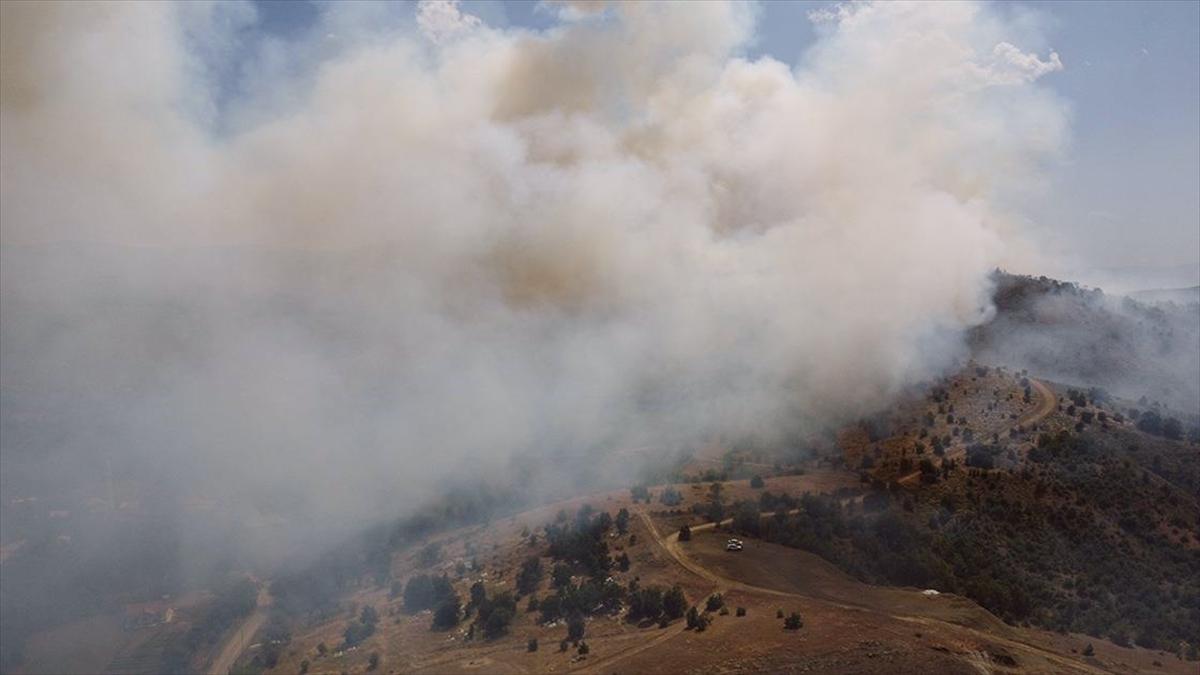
[849, 626]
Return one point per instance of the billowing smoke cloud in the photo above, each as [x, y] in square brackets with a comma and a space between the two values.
[414, 248]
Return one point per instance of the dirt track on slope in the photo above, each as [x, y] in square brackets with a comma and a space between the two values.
[863, 599]
[1047, 403]
[240, 639]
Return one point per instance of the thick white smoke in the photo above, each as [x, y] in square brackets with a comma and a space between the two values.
[445, 243]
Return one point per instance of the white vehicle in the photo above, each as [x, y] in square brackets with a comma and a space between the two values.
[733, 545]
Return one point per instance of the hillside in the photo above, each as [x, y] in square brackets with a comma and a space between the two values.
[1060, 538]
[1082, 336]
[1052, 505]
[1181, 296]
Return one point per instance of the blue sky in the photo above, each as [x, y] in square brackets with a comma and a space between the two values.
[1131, 194]
[1128, 197]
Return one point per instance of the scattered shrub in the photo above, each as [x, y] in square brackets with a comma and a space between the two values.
[530, 575]
[670, 497]
[575, 627]
[714, 602]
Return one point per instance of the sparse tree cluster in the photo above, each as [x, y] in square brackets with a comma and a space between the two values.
[622, 521]
[530, 575]
[425, 591]
[714, 602]
[362, 628]
[581, 543]
[1153, 423]
[495, 614]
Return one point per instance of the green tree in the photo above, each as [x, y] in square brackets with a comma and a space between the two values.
[496, 613]
[674, 602]
[1172, 429]
[356, 632]
[575, 626]
[646, 603]
[447, 614]
[561, 576]
[478, 593]
[424, 591]
[714, 602]
[604, 522]
[497, 622]
[530, 575]
[1151, 423]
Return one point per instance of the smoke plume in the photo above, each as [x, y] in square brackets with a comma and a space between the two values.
[396, 250]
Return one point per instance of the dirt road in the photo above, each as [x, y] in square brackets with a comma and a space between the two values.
[671, 545]
[1047, 403]
[240, 639]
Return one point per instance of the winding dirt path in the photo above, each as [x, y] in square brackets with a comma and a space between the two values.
[675, 628]
[237, 643]
[671, 545]
[1047, 403]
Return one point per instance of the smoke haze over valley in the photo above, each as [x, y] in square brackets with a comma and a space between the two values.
[267, 295]
[458, 242]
